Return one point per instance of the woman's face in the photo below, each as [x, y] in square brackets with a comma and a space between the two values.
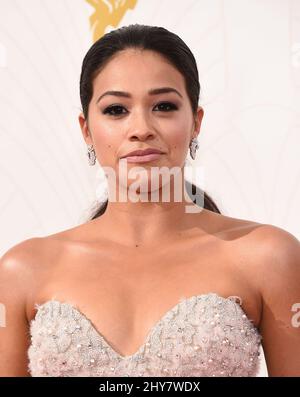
[118, 124]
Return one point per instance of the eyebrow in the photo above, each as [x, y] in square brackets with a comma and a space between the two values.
[154, 91]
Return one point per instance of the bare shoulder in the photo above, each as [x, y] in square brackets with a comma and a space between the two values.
[272, 258]
[20, 256]
[279, 251]
[21, 269]
[78, 233]
[276, 270]
[255, 232]
[272, 250]
[18, 266]
[17, 276]
[26, 255]
[278, 275]
[224, 226]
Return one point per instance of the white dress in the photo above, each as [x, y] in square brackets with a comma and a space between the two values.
[202, 335]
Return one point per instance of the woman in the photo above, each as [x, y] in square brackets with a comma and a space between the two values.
[149, 288]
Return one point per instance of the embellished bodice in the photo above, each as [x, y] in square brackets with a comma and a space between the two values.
[203, 335]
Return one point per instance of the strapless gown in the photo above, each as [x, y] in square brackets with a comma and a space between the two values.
[202, 335]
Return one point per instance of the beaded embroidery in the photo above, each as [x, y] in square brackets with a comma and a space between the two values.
[203, 335]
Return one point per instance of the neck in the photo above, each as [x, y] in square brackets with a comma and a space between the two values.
[146, 222]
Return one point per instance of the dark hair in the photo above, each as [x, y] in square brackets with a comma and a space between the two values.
[144, 37]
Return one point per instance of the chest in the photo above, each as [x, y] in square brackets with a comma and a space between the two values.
[125, 292]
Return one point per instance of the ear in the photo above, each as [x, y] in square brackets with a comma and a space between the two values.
[198, 121]
[85, 129]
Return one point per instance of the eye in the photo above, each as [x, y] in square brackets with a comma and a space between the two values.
[109, 109]
[168, 106]
[116, 110]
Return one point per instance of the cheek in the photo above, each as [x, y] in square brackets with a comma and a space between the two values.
[106, 144]
[179, 141]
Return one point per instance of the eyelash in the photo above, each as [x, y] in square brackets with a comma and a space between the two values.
[110, 108]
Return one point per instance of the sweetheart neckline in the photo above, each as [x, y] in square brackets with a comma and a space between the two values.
[151, 331]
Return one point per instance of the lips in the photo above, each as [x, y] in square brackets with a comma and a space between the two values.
[143, 159]
[141, 152]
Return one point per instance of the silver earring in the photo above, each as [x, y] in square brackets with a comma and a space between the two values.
[91, 155]
[193, 147]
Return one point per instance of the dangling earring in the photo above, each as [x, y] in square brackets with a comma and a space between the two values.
[91, 155]
[193, 148]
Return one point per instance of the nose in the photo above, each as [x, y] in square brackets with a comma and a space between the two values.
[140, 127]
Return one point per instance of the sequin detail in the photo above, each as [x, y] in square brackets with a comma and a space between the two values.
[203, 335]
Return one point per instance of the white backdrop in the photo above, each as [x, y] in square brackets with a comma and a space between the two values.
[248, 55]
